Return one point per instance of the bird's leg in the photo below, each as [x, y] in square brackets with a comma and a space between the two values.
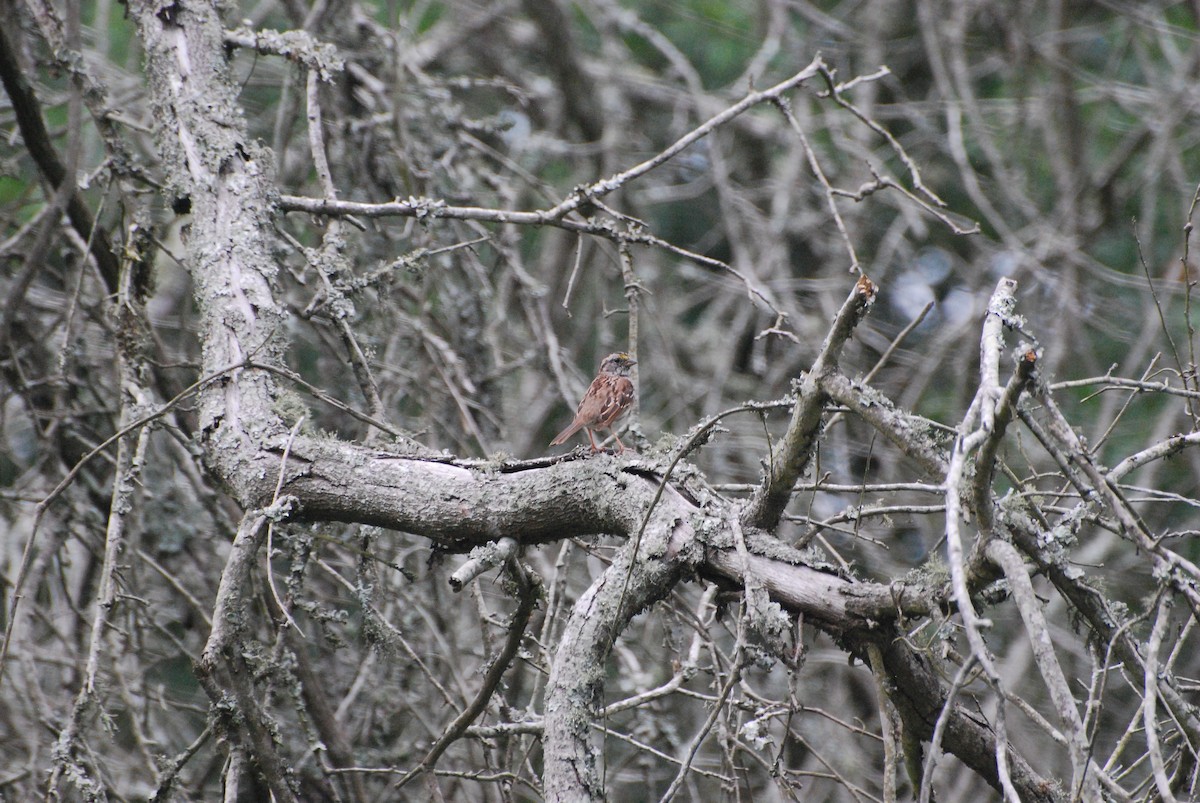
[595, 448]
[620, 446]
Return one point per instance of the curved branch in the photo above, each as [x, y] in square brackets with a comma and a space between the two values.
[640, 576]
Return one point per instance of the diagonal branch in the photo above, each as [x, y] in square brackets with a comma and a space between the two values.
[28, 112]
[791, 459]
[605, 186]
[1009, 559]
[528, 590]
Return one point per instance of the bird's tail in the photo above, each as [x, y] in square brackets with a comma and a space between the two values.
[566, 433]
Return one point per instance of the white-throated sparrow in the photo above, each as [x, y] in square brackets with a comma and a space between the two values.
[606, 401]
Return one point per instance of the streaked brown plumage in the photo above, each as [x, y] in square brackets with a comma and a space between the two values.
[606, 401]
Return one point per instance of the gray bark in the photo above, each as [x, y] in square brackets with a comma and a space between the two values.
[208, 158]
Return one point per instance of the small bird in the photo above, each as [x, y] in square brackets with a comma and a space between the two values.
[606, 401]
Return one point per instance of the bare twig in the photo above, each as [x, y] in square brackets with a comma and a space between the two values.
[275, 512]
[527, 595]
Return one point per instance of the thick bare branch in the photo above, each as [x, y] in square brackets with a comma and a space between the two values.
[792, 455]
